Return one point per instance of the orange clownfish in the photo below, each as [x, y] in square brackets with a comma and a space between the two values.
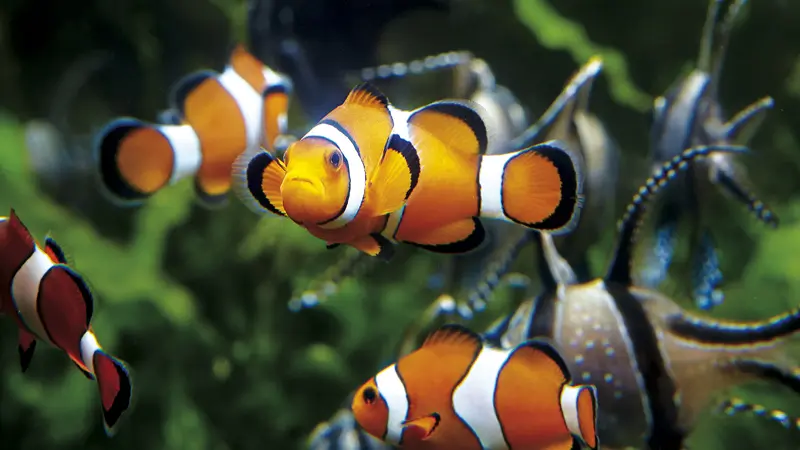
[369, 175]
[50, 302]
[458, 392]
[222, 115]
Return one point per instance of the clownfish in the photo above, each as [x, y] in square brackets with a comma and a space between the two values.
[53, 304]
[456, 391]
[219, 116]
[370, 175]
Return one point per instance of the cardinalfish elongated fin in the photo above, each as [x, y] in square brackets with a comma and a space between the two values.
[417, 66]
[136, 159]
[420, 429]
[258, 182]
[741, 127]
[579, 405]
[540, 187]
[737, 406]
[351, 265]
[620, 269]
[396, 177]
[734, 187]
[458, 125]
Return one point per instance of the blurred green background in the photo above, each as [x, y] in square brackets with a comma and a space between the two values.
[195, 300]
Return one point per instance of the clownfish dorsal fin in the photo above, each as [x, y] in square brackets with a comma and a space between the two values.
[397, 175]
[19, 229]
[543, 356]
[453, 335]
[83, 288]
[366, 94]
[54, 250]
[185, 86]
[457, 124]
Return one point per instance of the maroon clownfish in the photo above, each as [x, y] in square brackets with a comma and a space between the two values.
[51, 302]
[221, 116]
[369, 175]
[457, 392]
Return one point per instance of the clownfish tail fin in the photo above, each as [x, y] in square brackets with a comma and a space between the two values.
[257, 181]
[579, 405]
[540, 187]
[115, 386]
[135, 159]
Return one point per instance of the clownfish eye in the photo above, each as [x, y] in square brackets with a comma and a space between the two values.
[369, 395]
[335, 158]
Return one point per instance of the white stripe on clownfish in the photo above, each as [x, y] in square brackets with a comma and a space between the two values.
[357, 173]
[473, 398]
[89, 346]
[249, 102]
[25, 291]
[188, 155]
[490, 181]
[393, 391]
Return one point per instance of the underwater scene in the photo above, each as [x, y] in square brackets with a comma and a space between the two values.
[417, 224]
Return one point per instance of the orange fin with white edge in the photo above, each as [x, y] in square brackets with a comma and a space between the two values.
[457, 124]
[541, 187]
[579, 406]
[455, 238]
[421, 428]
[366, 94]
[135, 158]
[396, 177]
[454, 335]
[374, 245]
[258, 182]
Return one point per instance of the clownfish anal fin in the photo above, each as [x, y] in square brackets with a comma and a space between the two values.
[86, 294]
[366, 94]
[455, 238]
[542, 355]
[54, 250]
[183, 87]
[397, 175]
[374, 245]
[258, 182]
[457, 124]
[27, 345]
[453, 334]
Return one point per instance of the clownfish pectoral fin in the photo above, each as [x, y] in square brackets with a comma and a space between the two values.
[366, 94]
[374, 245]
[397, 175]
[54, 250]
[421, 428]
[458, 237]
[115, 387]
[27, 345]
[259, 179]
[183, 87]
[331, 245]
[456, 124]
[540, 187]
[579, 406]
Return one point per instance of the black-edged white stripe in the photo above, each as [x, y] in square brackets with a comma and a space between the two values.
[89, 345]
[250, 105]
[393, 391]
[490, 183]
[473, 398]
[25, 291]
[272, 78]
[569, 408]
[392, 224]
[356, 171]
[185, 144]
